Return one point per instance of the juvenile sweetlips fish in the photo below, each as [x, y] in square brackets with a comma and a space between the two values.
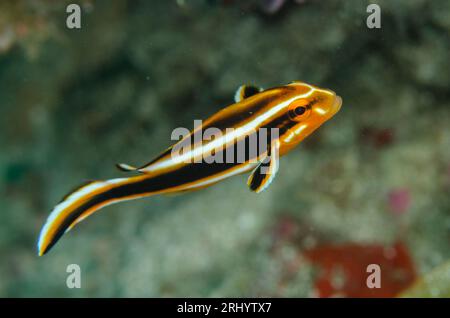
[293, 111]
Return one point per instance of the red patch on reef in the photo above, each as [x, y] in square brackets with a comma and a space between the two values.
[343, 269]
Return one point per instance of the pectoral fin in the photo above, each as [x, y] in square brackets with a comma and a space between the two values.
[265, 172]
[245, 91]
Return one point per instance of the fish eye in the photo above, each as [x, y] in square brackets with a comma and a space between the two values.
[300, 110]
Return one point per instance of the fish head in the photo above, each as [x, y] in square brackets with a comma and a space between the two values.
[307, 109]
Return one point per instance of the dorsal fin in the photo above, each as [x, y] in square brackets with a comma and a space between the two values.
[125, 167]
[245, 91]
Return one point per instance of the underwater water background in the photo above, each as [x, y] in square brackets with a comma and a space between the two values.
[369, 187]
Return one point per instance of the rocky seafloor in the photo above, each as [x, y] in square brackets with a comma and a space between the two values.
[370, 187]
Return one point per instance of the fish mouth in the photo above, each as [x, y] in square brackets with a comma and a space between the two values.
[337, 103]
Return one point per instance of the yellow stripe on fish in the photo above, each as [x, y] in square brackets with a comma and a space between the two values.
[294, 110]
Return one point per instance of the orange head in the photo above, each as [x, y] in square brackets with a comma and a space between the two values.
[308, 108]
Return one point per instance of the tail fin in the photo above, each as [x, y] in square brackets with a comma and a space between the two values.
[75, 207]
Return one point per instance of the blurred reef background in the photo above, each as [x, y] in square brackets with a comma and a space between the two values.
[370, 187]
